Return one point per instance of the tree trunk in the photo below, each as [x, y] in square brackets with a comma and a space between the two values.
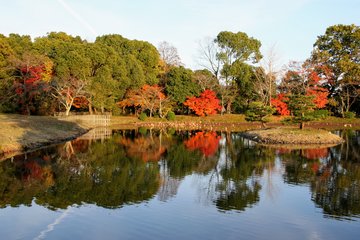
[347, 100]
[90, 109]
[27, 109]
[228, 108]
[222, 105]
[160, 110]
[270, 91]
[67, 110]
[342, 107]
[302, 125]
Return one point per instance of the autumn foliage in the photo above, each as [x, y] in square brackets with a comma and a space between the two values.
[280, 104]
[31, 82]
[206, 104]
[149, 98]
[144, 148]
[206, 142]
[80, 102]
[303, 80]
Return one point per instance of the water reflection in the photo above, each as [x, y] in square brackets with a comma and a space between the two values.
[240, 171]
[134, 166]
[77, 173]
[333, 175]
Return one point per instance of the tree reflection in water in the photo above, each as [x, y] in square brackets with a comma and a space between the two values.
[333, 175]
[242, 164]
[99, 174]
[135, 166]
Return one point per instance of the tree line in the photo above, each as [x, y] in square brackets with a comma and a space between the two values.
[62, 73]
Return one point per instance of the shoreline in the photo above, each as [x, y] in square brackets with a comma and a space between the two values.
[37, 145]
[20, 134]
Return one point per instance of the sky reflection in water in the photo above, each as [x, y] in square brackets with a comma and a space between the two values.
[162, 184]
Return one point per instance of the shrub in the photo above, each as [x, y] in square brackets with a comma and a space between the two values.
[142, 116]
[170, 116]
[320, 114]
[349, 115]
[258, 112]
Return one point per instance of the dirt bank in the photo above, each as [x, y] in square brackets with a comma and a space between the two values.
[20, 133]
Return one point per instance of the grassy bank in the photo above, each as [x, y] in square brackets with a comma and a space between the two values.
[227, 122]
[290, 135]
[19, 133]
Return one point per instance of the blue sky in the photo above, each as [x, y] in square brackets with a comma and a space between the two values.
[291, 25]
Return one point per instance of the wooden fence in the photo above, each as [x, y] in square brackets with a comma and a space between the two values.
[88, 120]
[97, 133]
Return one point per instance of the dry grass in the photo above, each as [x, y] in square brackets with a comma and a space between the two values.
[226, 118]
[19, 133]
[289, 135]
[226, 122]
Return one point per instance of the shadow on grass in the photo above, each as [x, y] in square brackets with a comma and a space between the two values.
[20, 133]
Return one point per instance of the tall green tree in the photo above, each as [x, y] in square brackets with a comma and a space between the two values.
[180, 84]
[227, 57]
[105, 77]
[20, 43]
[339, 49]
[72, 66]
[141, 57]
[236, 49]
[244, 91]
[6, 76]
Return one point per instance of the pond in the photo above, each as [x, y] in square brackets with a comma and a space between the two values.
[142, 184]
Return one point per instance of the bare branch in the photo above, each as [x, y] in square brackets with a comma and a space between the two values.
[169, 54]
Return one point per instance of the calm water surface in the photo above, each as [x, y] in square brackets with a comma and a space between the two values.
[181, 185]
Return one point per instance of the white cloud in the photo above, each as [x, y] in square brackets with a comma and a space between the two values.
[78, 17]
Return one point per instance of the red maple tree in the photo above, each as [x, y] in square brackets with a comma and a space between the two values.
[280, 104]
[32, 81]
[206, 104]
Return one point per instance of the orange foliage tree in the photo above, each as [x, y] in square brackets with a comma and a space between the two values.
[206, 104]
[206, 142]
[145, 148]
[80, 102]
[147, 98]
